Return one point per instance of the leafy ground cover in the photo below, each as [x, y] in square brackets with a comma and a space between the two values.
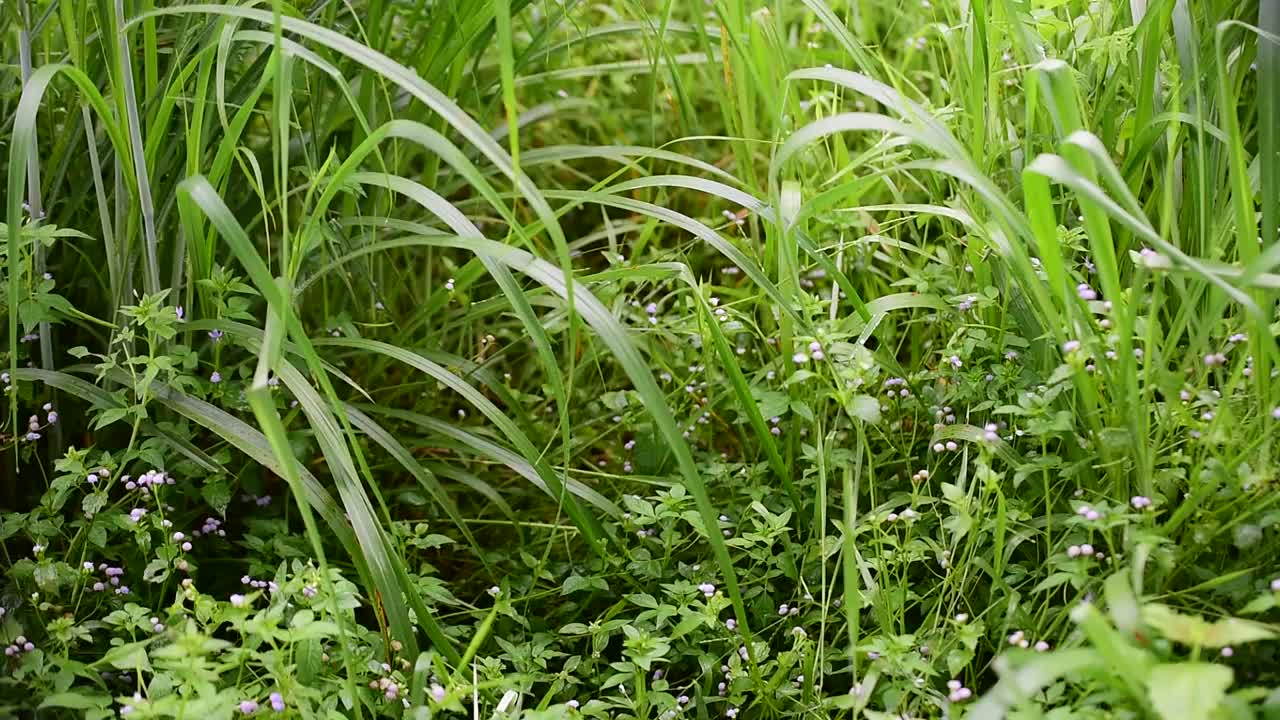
[809, 359]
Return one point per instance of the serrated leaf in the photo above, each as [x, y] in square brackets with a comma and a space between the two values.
[217, 494]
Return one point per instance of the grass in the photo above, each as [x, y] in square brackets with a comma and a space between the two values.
[546, 359]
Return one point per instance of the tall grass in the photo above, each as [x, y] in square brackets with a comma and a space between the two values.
[410, 211]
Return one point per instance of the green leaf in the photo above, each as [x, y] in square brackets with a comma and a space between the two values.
[1195, 631]
[1188, 691]
[578, 583]
[217, 494]
[156, 571]
[865, 408]
[132, 656]
[75, 701]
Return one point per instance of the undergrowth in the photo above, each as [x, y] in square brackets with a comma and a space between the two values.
[641, 360]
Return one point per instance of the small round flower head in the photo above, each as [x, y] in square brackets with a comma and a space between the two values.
[707, 589]
[939, 447]
[1073, 551]
[1215, 359]
[799, 358]
[1140, 502]
[215, 377]
[1085, 292]
[574, 704]
[951, 445]
[731, 712]
[1041, 646]
[277, 702]
[731, 624]
[990, 432]
[955, 361]
[248, 707]
[237, 600]
[1086, 549]
[782, 609]
[1275, 585]
[437, 692]
[1070, 346]
[1228, 651]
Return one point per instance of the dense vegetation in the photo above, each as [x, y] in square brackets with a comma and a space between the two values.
[646, 359]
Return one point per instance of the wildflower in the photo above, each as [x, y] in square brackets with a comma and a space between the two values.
[125, 710]
[1275, 585]
[1214, 359]
[1238, 338]
[495, 591]
[731, 712]
[448, 285]
[731, 624]
[1085, 292]
[215, 335]
[1140, 502]
[309, 591]
[951, 445]
[682, 700]
[989, 433]
[799, 358]
[782, 609]
[248, 707]
[237, 600]
[277, 702]
[1228, 651]
[215, 377]
[955, 361]
[1070, 346]
[574, 704]
[939, 447]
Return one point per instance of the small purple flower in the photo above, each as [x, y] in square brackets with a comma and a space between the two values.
[955, 361]
[1085, 292]
[277, 702]
[237, 600]
[309, 591]
[707, 589]
[1070, 346]
[215, 335]
[437, 693]
[248, 707]
[215, 377]
[179, 312]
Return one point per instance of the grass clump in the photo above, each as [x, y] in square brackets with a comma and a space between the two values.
[653, 360]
